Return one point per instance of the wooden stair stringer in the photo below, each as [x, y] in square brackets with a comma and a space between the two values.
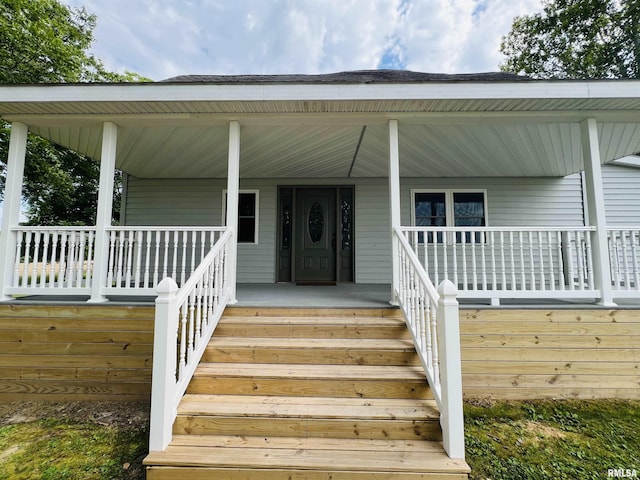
[295, 394]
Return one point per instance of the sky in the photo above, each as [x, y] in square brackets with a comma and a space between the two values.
[160, 39]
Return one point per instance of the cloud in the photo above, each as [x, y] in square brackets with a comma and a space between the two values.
[163, 38]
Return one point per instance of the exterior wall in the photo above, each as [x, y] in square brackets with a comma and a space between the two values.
[511, 202]
[516, 354]
[622, 195]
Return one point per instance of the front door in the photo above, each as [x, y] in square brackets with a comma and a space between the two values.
[315, 235]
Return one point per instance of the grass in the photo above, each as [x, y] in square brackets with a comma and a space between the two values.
[535, 440]
[65, 446]
[552, 439]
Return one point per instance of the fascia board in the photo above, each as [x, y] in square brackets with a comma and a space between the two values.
[308, 92]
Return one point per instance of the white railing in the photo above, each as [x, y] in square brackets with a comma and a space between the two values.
[57, 260]
[60, 260]
[506, 262]
[139, 257]
[433, 320]
[184, 322]
[624, 259]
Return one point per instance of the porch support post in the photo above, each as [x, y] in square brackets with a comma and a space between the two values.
[103, 216]
[233, 191]
[394, 202]
[596, 209]
[12, 201]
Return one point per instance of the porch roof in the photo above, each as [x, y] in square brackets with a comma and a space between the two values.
[335, 125]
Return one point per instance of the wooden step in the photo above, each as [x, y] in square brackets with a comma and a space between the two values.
[288, 458]
[360, 381]
[308, 417]
[312, 327]
[354, 351]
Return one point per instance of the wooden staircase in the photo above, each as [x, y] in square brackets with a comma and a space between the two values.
[307, 394]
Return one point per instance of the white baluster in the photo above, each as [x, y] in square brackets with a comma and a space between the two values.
[454, 251]
[45, 259]
[523, 280]
[474, 267]
[167, 236]
[80, 258]
[434, 247]
[589, 260]
[62, 265]
[552, 266]
[194, 241]
[54, 260]
[625, 259]
[36, 263]
[147, 259]
[138, 273]
[634, 256]
[483, 259]
[492, 246]
[532, 266]
[543, 280]
[174, 269]
[90, 250]
[502, 261]
[463, 240]
[111, 269]
[26, 261]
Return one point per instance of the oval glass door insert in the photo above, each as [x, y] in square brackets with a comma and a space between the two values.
[316, 222]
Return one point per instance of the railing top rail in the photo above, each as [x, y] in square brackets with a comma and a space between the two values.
[63, 228]
[499, 229]
[413, 258]
[615, 228]
[192, 282]
[133, 228]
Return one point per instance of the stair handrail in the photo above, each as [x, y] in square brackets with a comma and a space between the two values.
[432, 317]
[185, 319]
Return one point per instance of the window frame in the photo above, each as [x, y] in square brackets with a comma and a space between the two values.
[448, 204]
[256, 229]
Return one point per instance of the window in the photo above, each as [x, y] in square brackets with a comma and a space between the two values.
[247, 215]
[450, 208]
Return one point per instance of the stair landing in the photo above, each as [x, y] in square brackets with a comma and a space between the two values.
[307, 394]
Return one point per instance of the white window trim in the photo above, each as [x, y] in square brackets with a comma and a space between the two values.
[448, 202]
[257, 210]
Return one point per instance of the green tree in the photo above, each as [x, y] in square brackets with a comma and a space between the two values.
[43, 41]
[576, 39]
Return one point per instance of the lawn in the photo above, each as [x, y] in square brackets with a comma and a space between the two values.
[505, 440]
[567, 439]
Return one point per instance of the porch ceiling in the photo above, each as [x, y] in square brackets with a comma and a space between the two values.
[357, 149]
[447, 128]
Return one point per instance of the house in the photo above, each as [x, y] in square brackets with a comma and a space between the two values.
[493, 186]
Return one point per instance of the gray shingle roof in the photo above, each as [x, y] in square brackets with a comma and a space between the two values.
[358, 76]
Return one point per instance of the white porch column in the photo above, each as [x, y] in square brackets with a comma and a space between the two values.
[394, 202]
[103, 216]
[595, 207]
[233, 191]
[12, 201]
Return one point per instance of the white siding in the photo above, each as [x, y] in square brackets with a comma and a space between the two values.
[373, 232]
[511, 202]
[622, 194]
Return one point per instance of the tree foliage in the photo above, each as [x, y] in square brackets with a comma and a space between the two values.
[43, 41]
[576, 39]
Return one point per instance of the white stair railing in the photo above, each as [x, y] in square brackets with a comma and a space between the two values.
[184, 323]
[433, 320]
